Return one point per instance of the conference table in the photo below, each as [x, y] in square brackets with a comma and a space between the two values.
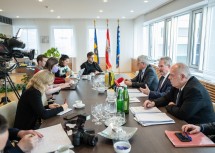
[151, 139]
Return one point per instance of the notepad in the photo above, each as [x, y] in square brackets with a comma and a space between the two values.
[140, 109]
[147, 119]
[198, 140]
[134, 100]
[133, 91]
[137, 94]
[65, 111]
[53, 137]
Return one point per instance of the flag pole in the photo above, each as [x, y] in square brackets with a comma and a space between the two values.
[119, 60]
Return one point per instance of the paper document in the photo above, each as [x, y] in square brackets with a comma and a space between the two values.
[147, 119]
[65, 111]
[140, 109]
[133, 90]
[136, 94]
[54, 136]
[134, 100]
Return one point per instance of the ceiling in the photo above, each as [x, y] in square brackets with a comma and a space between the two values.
[78, 9]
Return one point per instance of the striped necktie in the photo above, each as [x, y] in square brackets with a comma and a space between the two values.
[161, 82]
[178, 96]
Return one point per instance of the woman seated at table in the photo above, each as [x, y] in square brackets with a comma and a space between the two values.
[64, 70]
[30, 109]
[207, 129]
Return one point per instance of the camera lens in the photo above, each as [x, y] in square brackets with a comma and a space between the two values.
[90, 139]
[76, 138]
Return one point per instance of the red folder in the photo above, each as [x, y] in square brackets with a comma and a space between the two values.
[198, 140]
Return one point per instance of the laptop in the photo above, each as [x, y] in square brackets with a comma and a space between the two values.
[76, 80]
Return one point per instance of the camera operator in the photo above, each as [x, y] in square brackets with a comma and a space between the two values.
[27, 139]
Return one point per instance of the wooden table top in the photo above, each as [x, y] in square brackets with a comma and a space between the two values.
[151, 139]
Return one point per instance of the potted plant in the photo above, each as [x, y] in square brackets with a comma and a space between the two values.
[52, 52]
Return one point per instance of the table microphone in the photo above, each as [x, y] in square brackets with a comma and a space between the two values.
[117, 82]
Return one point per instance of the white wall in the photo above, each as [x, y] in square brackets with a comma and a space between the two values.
[80, 27]
[6, 29]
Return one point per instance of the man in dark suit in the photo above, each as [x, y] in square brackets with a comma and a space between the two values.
[90, 66]
[27, 138]
[164, 84]
[188, 100]
[145, 76]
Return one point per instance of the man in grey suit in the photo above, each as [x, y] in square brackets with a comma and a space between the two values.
[188, 99]
[164, 84]
[146, 75]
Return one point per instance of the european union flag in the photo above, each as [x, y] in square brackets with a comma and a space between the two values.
[118, 48]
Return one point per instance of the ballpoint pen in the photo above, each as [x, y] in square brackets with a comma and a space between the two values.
[189, 137]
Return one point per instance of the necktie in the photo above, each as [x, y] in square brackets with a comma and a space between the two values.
[161, 82]
[178, 96]
[141, 76]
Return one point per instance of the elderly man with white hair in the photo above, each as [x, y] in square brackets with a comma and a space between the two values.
[188, 99]
[146, 76]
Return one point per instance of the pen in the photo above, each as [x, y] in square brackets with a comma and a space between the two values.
[189, 137]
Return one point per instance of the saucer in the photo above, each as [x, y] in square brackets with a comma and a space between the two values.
[70, 151]
[80, 106]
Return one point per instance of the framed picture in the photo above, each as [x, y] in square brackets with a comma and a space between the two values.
[44, 39]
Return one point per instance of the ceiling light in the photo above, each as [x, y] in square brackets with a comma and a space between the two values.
[98, 17]
[132, 11]
[123, 17]
[58, 17]
[105, 1]
[51, 10]
[100, 11]
[1, 10]
[40, 0]
[17, 16]
[146, 1]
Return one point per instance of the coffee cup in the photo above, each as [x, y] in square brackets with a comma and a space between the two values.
[78, 103]
[63, 149]
[89, 77]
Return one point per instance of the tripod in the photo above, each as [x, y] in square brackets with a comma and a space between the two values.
[7, 78]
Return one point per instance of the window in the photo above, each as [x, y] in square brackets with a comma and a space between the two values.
[146, 40]
[30, 38]
[101, 41]
[196, 43]
[168, 36]
[181, 42]
[64, 41]
[157, 40]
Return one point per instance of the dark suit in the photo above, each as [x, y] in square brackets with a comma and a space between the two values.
[161, 91]
[209, 129]
[90, 67]
[9, 148]
[194, 103]
[150, 78]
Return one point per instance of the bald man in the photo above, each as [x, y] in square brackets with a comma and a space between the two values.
[188, 99]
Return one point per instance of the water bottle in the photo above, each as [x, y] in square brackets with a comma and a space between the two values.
[126, 100]
[120, 101]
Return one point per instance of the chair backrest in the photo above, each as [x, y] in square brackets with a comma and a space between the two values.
[9, 112]
[213, 105]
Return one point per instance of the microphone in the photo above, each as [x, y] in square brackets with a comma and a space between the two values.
[117, 82]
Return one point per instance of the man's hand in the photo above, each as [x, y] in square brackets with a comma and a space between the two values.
[148, 104]
[22, 133]
[128, 83]
[65, 106]
[146, 90]
[28, 142]
[171, 103]
[192, 129]
[52, 106]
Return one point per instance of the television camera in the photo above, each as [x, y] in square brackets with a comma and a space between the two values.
[11, 48]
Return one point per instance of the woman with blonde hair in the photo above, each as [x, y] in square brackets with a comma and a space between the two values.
[30, 109]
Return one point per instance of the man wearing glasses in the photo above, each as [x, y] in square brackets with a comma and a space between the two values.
[146, 75]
